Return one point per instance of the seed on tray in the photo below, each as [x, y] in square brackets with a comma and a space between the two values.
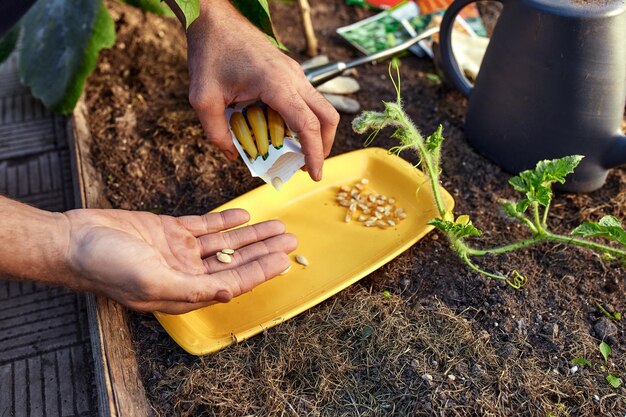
[368, 207]
[302, 260]
[277, 183]
[228, 251]
[224, 258]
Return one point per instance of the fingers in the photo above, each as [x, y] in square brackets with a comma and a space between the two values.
[236, 238]
[180, 292]
[214, 222]
[210, 109]
[285, 243]
[326, 114]
[302, 121]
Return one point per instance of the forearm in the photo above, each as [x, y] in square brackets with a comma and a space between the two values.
[33, 243]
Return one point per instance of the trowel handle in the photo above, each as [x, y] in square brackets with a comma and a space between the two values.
[321, 74]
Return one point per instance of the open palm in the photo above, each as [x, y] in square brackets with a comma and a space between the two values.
[163, 263]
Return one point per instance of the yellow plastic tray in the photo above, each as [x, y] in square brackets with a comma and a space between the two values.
[339, 253]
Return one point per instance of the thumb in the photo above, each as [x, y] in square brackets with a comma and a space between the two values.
[210, 109]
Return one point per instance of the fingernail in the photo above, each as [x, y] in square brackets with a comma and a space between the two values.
[318, 174]
[223, 296]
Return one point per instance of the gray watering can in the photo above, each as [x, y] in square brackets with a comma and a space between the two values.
[552, 83]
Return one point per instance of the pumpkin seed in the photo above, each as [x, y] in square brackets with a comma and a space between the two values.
[224, 258]
[302, 260]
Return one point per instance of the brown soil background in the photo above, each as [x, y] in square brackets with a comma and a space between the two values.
[361, 353]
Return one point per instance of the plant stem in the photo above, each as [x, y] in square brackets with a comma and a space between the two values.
[538, 224]
[568, 240]
[432, 172]
[544, 221]
[544, 237]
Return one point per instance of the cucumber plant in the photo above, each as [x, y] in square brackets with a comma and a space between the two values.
[531, 209]
[60, 40]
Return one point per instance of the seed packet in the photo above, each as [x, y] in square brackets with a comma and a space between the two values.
[407, 20]
[383, 30]
[274, 163]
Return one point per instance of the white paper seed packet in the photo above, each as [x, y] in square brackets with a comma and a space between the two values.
[280, 164]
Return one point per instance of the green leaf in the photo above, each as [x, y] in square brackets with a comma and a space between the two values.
[515, 209]
[537, 183]
[581, 361]
[257, 12]
[614, 381]
[386, 294]
[190, 9]
[157, 7]
[457, 230]
[62, 40]
[605, 350]
[608, 227]
[8, 42]
[434, 141]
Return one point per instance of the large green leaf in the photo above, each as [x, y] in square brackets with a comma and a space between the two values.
[257, 12]
[191, 10]
[61, 41]
[537, 183]
[154, 6]
[8, 42]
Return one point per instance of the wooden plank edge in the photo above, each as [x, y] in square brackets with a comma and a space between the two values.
[118, 384]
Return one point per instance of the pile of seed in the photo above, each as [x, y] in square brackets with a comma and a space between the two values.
[373, 210]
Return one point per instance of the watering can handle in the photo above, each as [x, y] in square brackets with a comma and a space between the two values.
[448, 61]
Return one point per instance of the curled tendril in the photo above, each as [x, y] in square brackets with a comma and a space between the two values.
[516, 280]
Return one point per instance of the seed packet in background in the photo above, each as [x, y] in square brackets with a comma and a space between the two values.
[383, 30]
[407, 20]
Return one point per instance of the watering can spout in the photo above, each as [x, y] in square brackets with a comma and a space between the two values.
[616, 154]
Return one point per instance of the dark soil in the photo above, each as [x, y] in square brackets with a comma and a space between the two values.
[360, 352]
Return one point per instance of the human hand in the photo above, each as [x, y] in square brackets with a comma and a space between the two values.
[230, 61]
[163, 263]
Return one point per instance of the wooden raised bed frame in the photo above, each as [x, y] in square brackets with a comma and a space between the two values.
[118, 385]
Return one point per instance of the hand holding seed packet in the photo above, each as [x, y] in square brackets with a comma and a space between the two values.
[268, 148]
